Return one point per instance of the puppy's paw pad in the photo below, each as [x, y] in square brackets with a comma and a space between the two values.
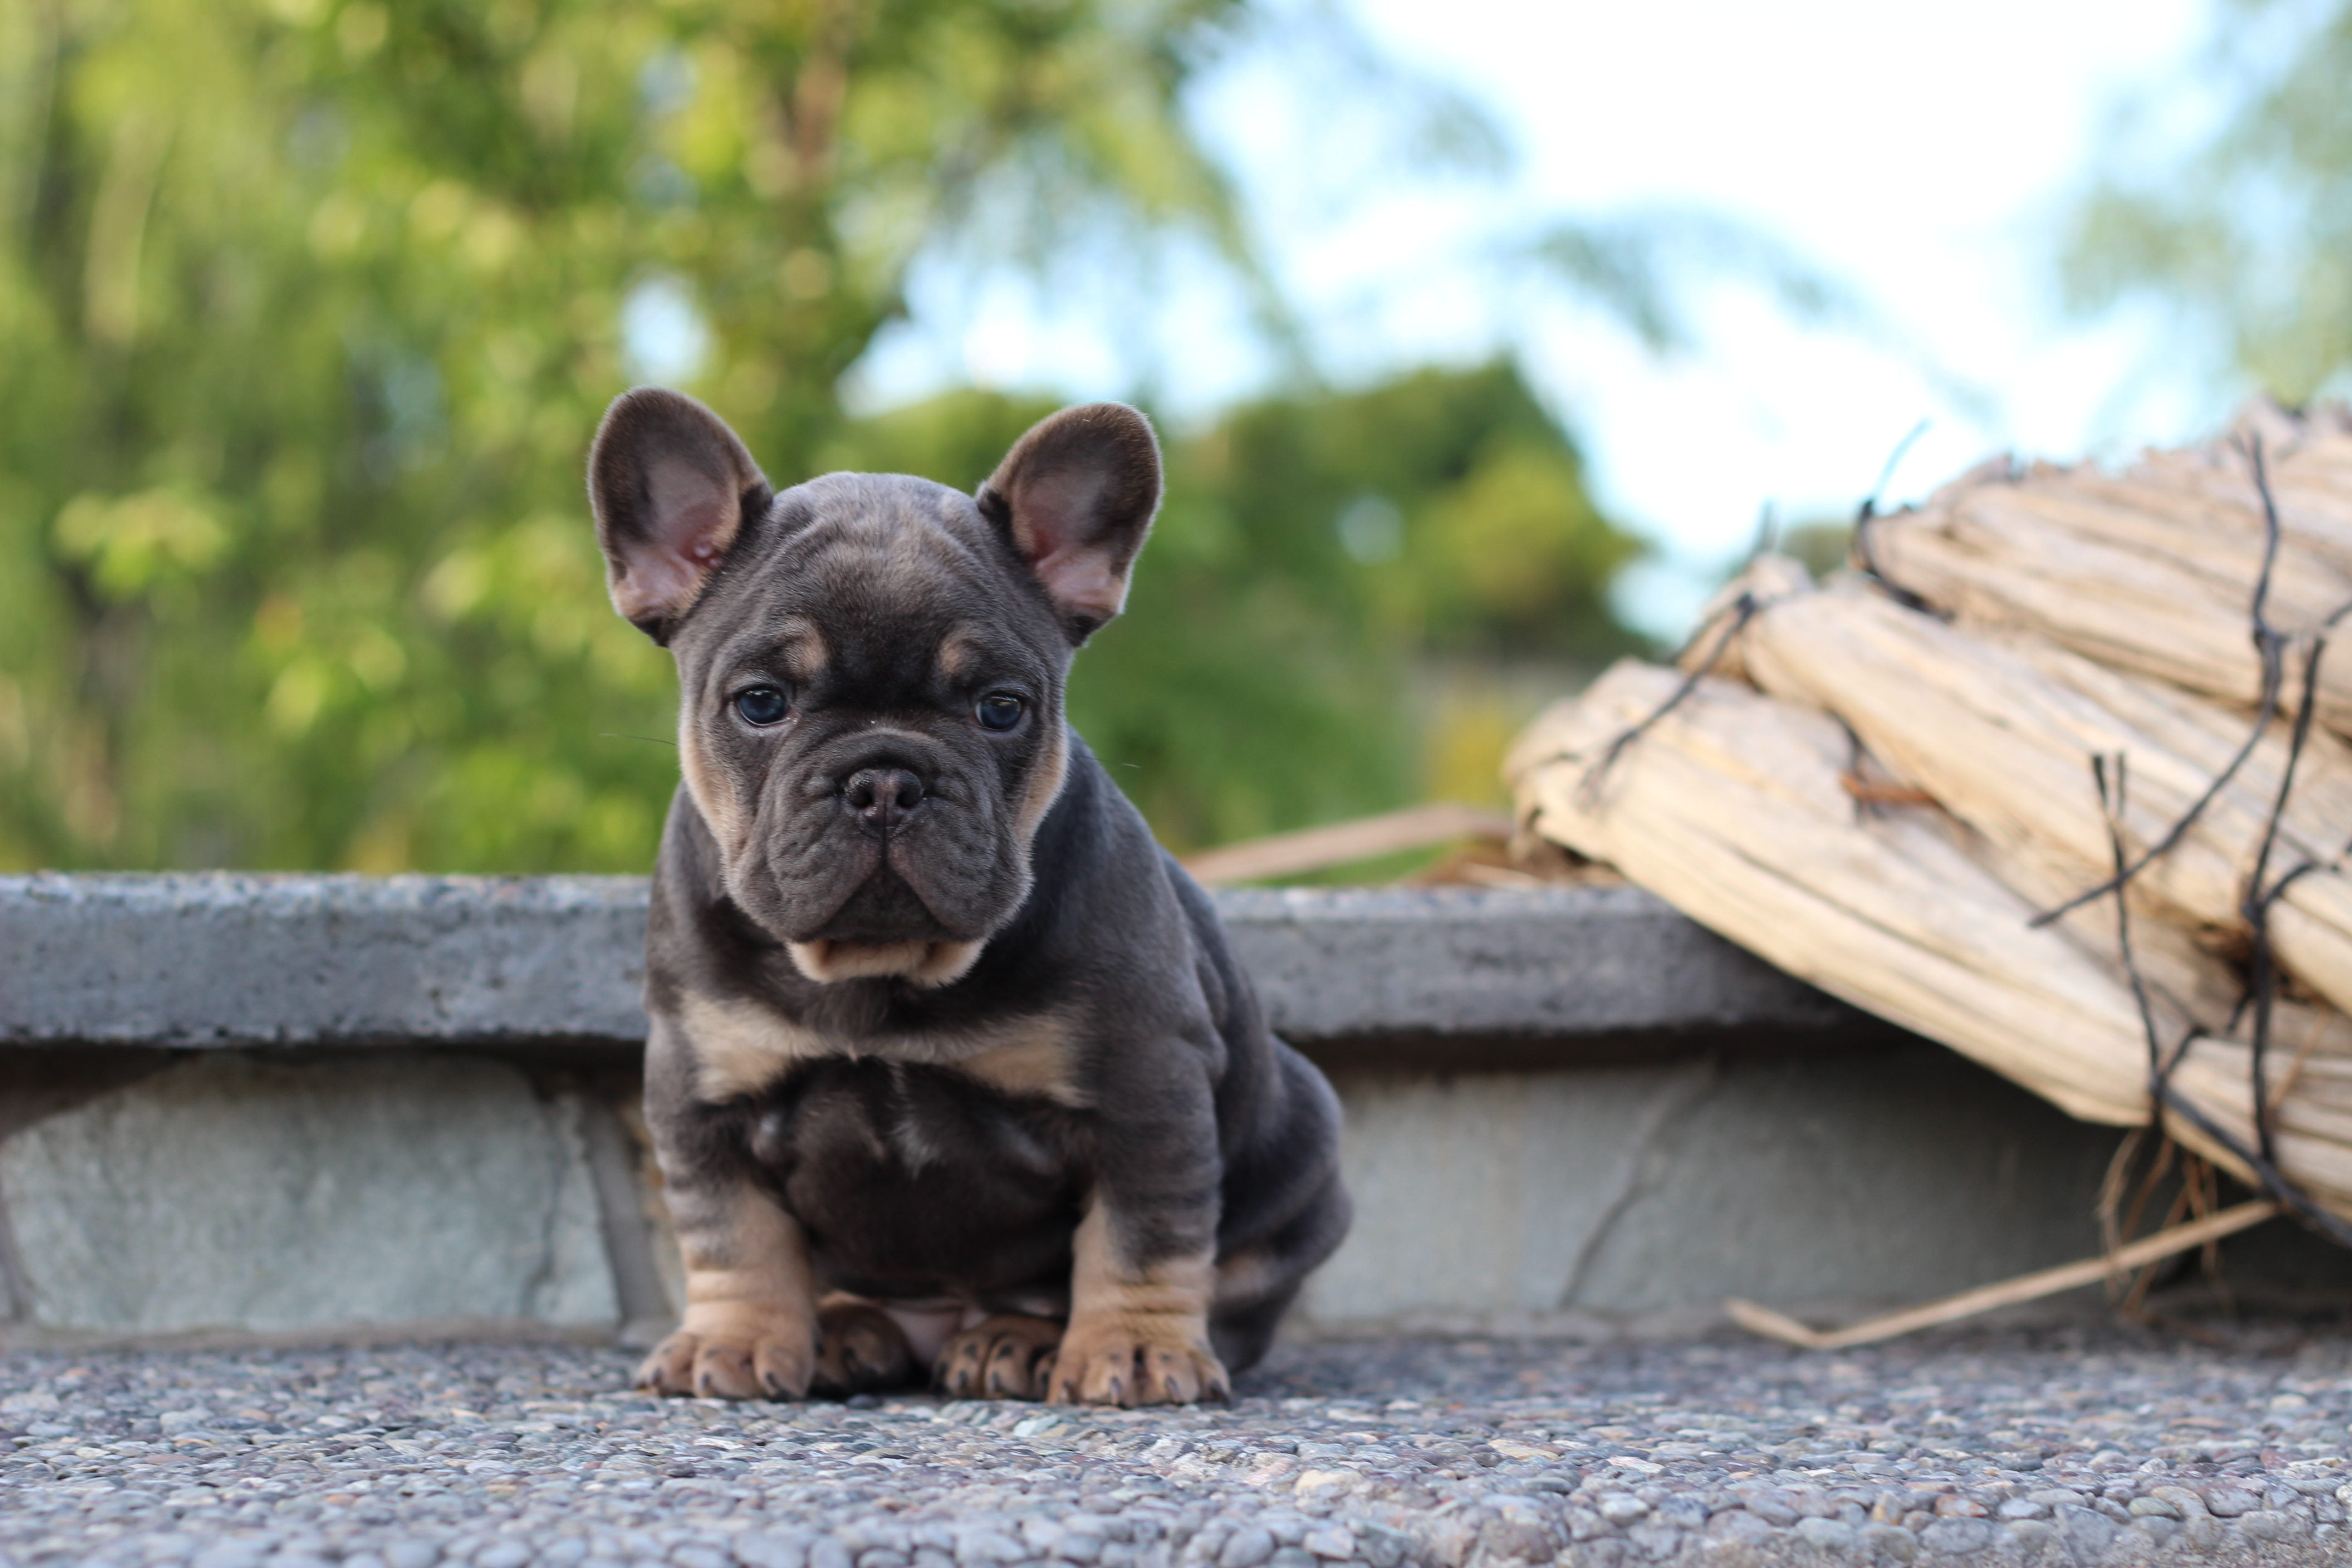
[1006, 1357]
[860, 1349]
[1119, 1366]
[761, 1365]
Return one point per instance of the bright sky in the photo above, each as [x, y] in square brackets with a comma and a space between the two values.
[1918, 150]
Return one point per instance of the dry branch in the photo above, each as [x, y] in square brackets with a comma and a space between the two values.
[1422, 826]
[2141, 573]
[2025, 1288]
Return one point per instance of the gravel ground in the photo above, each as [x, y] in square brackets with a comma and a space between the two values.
[2057, 1448]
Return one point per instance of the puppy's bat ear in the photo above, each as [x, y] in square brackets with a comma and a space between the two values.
[1076, 497]
[671, 486]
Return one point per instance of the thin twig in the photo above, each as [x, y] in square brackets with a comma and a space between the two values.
[2269, 648]
[1743, 610]
[1867, 513]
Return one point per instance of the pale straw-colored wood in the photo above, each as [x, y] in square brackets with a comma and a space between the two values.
[2002, 728]
[1733, 810]
[1424, 827]
[1881, 801]
[2154, 570]
[2025, 1288]
[1739, 809]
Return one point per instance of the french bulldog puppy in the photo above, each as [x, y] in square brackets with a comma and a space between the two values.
[950, 1072]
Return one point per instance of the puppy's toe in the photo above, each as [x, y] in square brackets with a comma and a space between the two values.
[670, 1368]
[999, 1357]
[725, 1369]
[859, 1350]
[733, 1356]
[1146, 1365]
[1179, 1376]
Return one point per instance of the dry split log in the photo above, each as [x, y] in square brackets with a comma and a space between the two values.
[1741, 811]
[2001, 727]
[2154, 570]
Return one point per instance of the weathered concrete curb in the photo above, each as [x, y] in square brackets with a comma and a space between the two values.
[303, 1107]
[226, 960]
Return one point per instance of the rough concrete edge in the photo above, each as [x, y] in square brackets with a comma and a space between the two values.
[358, 1336]
[585, 997]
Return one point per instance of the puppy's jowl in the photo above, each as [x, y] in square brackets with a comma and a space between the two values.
[952, 1073]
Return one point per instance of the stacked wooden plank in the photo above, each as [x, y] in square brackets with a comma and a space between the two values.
[1888, 783]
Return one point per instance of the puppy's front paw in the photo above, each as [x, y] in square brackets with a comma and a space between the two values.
[1132, 1362]
[859, 1350]
[1006, 1357]
[738, 1354]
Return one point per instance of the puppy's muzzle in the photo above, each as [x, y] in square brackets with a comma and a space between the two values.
[882, 799]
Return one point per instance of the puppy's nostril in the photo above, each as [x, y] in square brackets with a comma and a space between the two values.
[882, 796]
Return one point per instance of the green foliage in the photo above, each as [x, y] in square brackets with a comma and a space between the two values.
[2249, 236]
[306, 309]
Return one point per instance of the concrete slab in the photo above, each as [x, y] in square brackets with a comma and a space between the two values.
[1564, 963]
[224, 960]
[1605, 1198]
[220, 959]
[232, 1192]
[323, 1106]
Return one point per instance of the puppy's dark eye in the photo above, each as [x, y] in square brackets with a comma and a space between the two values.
[997, 711]
[763, 705]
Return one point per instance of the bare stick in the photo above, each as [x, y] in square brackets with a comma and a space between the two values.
[2009, 1292]
[1317, 848]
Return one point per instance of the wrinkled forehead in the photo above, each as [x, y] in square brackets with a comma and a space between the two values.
[884, 546]
[876, 512]
[880, 560]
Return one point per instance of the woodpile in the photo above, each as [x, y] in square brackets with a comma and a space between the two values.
[2060, 775]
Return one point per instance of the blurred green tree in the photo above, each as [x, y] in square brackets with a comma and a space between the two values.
[307, 308]
[2246, 234]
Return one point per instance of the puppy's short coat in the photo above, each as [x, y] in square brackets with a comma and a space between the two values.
[949, 1063]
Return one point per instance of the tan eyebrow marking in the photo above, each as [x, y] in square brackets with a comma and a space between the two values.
[958, 653]
[803, 649]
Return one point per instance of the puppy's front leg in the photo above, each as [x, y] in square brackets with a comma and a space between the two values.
[751, 1326]
[1144, 1268]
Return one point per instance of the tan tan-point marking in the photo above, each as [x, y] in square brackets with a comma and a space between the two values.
[707, 786]
[741, 1046]
[803, 650]
[1044, 787]
[751, 1324]
[958, 650]
[1042, 1065]
[1137, 1335]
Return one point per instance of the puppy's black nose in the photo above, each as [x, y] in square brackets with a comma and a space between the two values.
[882, 797]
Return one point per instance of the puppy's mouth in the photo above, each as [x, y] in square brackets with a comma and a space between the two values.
[883, 909]
[884, 929]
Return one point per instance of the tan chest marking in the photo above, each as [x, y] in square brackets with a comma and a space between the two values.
[741, 1047]
[1042, 1065]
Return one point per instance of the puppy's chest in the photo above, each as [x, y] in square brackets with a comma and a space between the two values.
[864, 1123]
